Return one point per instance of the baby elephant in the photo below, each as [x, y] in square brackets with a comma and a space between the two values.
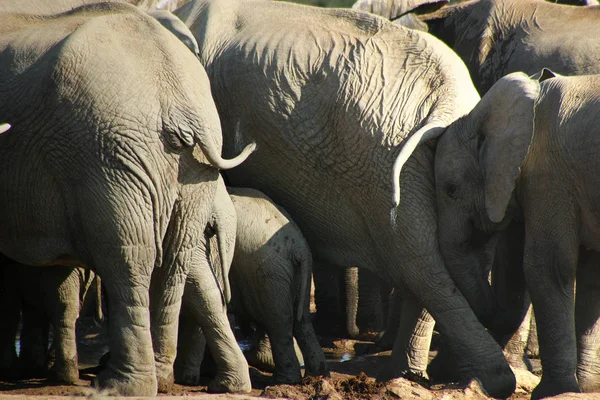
[270, 284]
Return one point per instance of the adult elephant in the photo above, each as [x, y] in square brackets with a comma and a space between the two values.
[527, 153]
[497, 37]
[97, 170]
[330, 105]
[47, 7]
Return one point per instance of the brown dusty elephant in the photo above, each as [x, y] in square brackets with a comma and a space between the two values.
[270, 285]
[527, 153]
[332, 146]
[98, 169]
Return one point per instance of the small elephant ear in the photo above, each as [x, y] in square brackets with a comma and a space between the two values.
[505, 118]
[544, 74]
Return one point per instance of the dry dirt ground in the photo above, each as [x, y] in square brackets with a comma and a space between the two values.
[350, 379]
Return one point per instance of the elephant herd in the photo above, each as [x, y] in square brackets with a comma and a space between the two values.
[447, 148]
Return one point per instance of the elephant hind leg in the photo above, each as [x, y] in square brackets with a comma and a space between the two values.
[587, 320]
[64, 317]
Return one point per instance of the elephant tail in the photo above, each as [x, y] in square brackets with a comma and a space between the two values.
[304, 269]
[224, 256]
[215, 159]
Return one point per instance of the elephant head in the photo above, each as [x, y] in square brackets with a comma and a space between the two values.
[477, 165]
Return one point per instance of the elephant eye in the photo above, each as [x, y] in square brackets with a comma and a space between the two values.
[451, 191]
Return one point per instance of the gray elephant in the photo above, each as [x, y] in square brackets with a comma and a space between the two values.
[270, 285]
[102, 173]
[497, 37]
[47, 7]
[526, 153]
[38, 297]
[329, 148]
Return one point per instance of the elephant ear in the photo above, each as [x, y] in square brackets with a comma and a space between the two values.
[544, 74]
[505, 121]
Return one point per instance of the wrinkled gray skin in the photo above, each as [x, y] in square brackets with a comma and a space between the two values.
[329, 144]
[39, 297]
[401, 12]
[102, 174]
[527, 152]
[270, 281]
[497, 37]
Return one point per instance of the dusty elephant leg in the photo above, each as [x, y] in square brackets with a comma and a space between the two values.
[191, 345]
[533, 347]
[126, 276]
[516, 346]
[203, 298]
[65, 310]
[350, 300]
[373, 297]
[411, 347]
[587, 320]
[166, 292]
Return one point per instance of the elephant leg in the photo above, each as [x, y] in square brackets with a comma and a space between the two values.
[516, 345]
[126, 276]
[350, 300]
[64, 311]
[304, 333]
[551, 258]
[277, 318]
[411, 347]
[372, 299]
[261, 355]
[587, 320]
[34, 354]
[533, 347]
[203, 299]
[394, 316]
[191, 345]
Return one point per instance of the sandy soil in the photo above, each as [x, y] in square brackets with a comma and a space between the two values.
[350, 379]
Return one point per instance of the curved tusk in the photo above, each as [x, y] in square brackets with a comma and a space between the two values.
[430, 131]
[4, 127]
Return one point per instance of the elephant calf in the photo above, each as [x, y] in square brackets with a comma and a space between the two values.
[270, 284]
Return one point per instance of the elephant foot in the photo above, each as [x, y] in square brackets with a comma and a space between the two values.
[549, 387]
[165, 383]
[126, 383]
[231, 383]
[66, 372]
